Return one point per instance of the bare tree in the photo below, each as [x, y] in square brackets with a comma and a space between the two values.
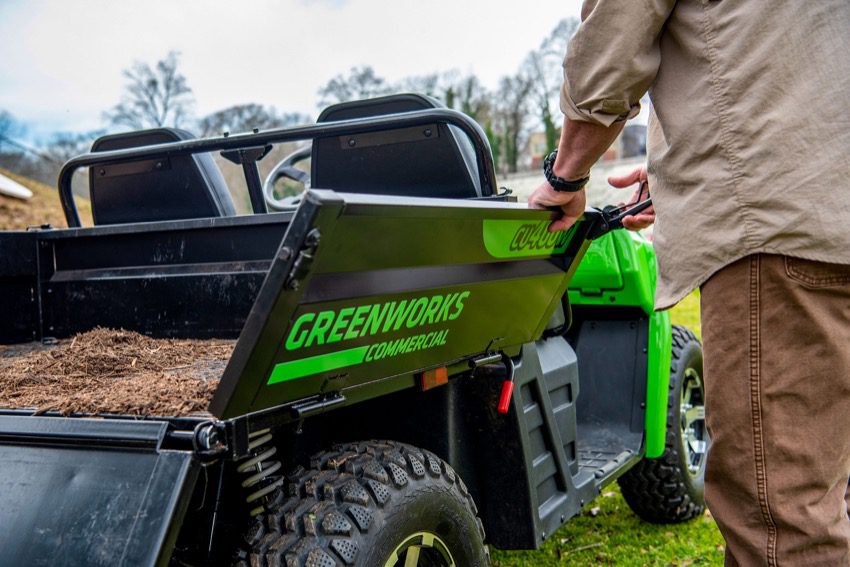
[511, 117]
[245, 117]
[62, 146]
[361, 82]
[19, 157]
[429, 85]
[470, 97]
[460, 92]
[543, 68]
[154, 96]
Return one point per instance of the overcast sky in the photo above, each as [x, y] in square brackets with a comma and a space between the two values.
[61, 60]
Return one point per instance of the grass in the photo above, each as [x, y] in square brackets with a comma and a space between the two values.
[687, 313]
[608, 533]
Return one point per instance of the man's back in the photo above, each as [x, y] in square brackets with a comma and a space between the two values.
[748, 145]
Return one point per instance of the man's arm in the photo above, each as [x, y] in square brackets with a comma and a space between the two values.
[611, 62]
[581, 145]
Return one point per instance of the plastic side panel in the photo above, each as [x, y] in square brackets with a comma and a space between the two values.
[384, 287]
[543, 407]
[67, 504]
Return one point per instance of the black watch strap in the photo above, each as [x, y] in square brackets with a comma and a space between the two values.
[559, 183]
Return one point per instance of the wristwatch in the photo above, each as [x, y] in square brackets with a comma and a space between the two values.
[559, 183]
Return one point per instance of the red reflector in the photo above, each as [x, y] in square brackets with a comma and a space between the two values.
[505, 397]
[434, 378]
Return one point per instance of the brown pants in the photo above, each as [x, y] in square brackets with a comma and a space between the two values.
[777, 377]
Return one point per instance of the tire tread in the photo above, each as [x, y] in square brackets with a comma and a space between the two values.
[331, 505]
[656, 489]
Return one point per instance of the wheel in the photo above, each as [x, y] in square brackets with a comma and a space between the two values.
[670, 489]
[376, 503]
[286, 169]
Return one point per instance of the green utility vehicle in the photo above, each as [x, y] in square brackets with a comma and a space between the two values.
[420, 368]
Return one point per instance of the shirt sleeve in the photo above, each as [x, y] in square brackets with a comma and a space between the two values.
[612, 59]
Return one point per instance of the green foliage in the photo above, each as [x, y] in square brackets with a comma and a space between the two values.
[450, 97]
[551, 131]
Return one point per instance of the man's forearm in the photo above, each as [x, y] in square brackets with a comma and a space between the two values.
[581, 145]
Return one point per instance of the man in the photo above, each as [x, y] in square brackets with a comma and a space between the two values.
[749, 167]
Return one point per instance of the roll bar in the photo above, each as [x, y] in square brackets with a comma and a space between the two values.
[472, 129]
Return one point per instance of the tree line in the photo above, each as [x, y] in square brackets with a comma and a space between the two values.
[159, 95]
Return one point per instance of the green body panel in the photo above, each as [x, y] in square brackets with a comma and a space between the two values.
[658, 380]
[618, 270]
[599, 269]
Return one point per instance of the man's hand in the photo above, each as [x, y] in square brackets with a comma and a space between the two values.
[571, 204]
[647, 216]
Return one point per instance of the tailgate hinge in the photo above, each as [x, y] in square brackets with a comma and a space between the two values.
[304, 260]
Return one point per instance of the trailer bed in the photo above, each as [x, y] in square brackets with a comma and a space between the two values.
[113, 371]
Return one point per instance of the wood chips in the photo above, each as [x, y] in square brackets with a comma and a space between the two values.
[113, 371]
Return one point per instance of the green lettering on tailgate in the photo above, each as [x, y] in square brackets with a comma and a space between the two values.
[338, 325]
[507, 238]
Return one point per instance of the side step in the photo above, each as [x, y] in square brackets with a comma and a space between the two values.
[564, 468]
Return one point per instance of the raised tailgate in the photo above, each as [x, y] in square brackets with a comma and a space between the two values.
[366, 287]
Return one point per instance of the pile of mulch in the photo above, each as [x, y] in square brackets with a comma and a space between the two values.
[114, 371]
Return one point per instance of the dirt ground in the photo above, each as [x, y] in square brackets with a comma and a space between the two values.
[43, 208]
[113, 371]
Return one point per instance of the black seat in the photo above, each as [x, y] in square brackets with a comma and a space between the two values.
[181, 187]
[430, 161]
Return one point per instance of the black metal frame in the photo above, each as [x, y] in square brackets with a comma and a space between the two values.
[260, 139]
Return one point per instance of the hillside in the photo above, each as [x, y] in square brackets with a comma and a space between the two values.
[43, 208]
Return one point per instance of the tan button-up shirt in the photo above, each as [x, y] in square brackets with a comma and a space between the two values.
[749, 138]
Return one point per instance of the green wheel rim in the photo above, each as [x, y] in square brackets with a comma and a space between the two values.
[421, 548]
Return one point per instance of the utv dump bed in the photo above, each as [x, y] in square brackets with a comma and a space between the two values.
[361, 297]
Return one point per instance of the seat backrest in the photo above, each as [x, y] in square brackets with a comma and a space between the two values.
[424, 161]
[178, 187]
